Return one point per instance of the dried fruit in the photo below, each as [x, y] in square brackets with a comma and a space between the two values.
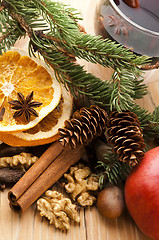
[20, 73]
[46, 131]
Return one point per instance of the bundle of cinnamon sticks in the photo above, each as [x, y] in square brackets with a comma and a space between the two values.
[53, 163]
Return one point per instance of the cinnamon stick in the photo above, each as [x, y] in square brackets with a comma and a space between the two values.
[48, 177]
[34, 172]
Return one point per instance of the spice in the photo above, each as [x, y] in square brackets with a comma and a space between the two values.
[8, 175]
[53, 163]
[25, 106]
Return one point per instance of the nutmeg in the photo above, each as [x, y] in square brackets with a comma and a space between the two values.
[110, 202]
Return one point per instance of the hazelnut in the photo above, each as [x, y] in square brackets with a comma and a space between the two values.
[110, 202]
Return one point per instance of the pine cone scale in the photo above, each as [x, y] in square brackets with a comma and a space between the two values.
[121, 140]
[139, 153]
[68, 124]
[119, 150]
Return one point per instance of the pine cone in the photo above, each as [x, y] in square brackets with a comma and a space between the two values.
[125, 133]
[86, 124]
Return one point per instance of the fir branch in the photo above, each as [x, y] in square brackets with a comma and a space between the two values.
[140, 89]
[9, 32]
[121, 97]
[155, 115]
[22, 23]
[151, 130]
[62, 25]
[105, 52]
[88, 47]
[112, 171]
[149, 122]
[62, 42]
[150, 67]
[78, 80]
[144, 116]
[99, 92]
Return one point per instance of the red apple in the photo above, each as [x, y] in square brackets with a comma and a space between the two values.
[142, 194]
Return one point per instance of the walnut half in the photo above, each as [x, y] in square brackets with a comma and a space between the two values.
[57, 209]
[23, 159]
[81, 184]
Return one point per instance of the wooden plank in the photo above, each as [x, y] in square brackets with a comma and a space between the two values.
[6, 217]
[31, 226]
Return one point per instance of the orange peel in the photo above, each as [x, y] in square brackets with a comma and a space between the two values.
[21, 73]
[46, 131]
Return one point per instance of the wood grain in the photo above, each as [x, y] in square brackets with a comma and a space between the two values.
[29, 225]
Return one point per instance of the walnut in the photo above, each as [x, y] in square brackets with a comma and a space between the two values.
[23, 159]
[57, 209]
[80, 182]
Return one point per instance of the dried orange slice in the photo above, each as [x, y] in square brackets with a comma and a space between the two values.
[46, 131]
[21, 74]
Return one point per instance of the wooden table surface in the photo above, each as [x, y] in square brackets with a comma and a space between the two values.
[30, 226]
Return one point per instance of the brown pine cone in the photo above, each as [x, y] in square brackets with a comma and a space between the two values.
[85, 124]
[126, 135]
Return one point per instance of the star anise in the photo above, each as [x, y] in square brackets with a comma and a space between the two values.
[25, 106]
[119, 25]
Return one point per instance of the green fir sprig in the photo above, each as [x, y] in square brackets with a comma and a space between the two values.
[151, 129]
[111, 170]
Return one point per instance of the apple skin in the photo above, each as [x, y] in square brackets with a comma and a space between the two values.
[142, 194]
